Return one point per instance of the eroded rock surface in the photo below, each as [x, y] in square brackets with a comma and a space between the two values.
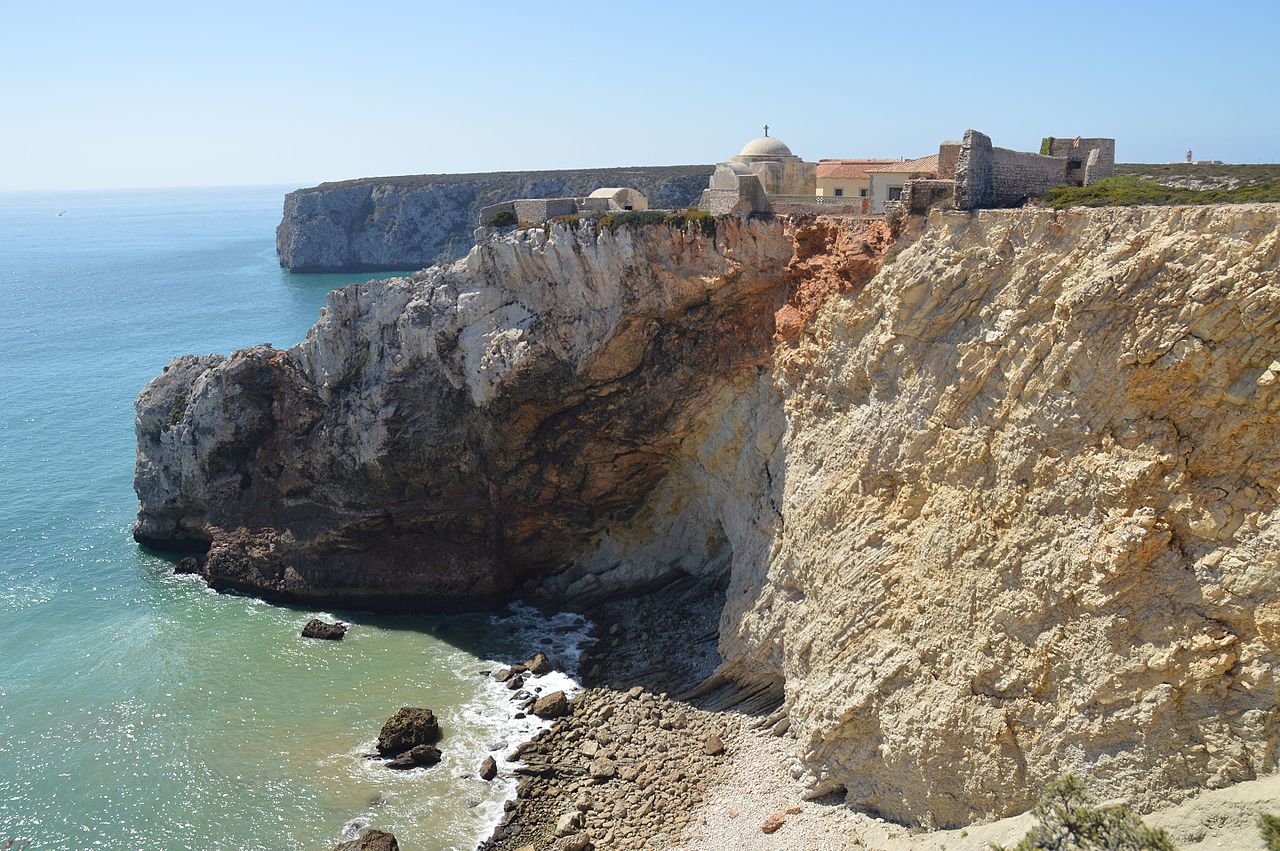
[410, 727]
[324, 630]
[1000, 512]
[1003, 513]
[441, 439]
[371, 840]
[1030, 481]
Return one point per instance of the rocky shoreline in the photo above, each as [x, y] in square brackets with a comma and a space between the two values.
[645, 740]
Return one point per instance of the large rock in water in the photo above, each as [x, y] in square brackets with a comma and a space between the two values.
[408, 728]
[418, 756]
[401, 223]
[324, 630]
[370, 840]
[438, 440]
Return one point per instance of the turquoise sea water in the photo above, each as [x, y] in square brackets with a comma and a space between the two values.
[138, 710]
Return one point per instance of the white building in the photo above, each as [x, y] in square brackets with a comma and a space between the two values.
[887, 180]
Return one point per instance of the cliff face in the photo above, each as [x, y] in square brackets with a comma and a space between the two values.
[437, 440]
[390, 223]
[1030, 526]
[999, 511]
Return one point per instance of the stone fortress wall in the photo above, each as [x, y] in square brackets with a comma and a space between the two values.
[538, 210]
[987, 176]
[1098, 157]
[1018, 175]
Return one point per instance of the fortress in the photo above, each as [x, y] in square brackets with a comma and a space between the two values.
[766, 177]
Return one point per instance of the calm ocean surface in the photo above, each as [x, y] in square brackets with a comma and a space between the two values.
[139, 710]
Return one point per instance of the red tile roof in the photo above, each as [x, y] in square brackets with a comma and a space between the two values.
[848, 169]
[926, 165]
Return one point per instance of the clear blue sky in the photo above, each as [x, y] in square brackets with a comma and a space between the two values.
[126, 94]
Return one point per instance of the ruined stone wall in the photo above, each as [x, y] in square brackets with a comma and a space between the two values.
[1089, 159]
[948, 154]
[1018, 175]
[975, 179]
[734, 194]
[489, 211]
[541, 209]
[987, 176]
[921, 194]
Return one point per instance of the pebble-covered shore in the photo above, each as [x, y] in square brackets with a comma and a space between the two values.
[637, 752]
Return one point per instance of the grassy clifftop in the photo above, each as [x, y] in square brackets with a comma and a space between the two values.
[1130, 191]
[1202, 175]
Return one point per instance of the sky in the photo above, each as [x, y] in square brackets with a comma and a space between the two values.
[135, 95]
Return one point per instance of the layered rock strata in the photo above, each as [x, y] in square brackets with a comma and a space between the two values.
[399, 223]
[1031, 476]
[1001, 513]
[440, 440]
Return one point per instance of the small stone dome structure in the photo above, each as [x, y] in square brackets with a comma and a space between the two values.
[764, 168]
[621, 198]
[765, 147]
[780, 171]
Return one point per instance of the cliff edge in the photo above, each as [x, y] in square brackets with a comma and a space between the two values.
[438, 440]
[410, 222]
[993, 504]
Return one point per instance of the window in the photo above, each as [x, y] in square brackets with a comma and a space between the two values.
[895, 193]
[862, 193]
[839, 191]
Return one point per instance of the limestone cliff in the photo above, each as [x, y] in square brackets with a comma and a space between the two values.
[400, 223]
[438, 440]
[1029, 500]
[1000, 510]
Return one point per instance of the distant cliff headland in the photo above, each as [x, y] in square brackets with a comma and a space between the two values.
[410, 222]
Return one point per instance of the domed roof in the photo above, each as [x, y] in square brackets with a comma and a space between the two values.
[765, 146]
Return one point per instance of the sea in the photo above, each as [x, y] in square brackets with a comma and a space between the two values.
[139, 709]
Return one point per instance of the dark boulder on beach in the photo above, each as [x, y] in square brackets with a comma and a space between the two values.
[488, 769]
[317, 628]
[371, 840]
[409, 727]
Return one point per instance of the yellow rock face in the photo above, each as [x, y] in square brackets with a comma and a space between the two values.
[1007, 512]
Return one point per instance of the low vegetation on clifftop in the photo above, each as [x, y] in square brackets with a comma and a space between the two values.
[1130, 191]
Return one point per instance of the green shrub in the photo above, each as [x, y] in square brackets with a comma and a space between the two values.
[1046, 146]
[705, 222]
[1067, 821]
[1128, 191]
[179, 408]
[701, 219]
[502, 219]
[570, 221]
[631, 218]
[1269, 827]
